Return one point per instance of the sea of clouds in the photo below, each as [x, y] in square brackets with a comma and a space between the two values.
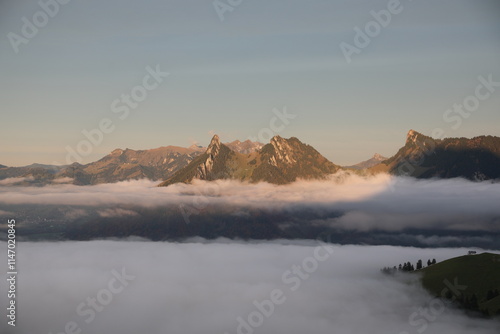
[382, 202]
[215, 287]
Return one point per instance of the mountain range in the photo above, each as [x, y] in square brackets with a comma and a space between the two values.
[373, 161]
[119, 165]
[281, 161]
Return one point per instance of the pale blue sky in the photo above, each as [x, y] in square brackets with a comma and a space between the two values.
[226, 77]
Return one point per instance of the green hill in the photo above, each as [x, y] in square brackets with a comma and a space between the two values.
[478, 276]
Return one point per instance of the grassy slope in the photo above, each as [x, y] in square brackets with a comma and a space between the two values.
[479, 273]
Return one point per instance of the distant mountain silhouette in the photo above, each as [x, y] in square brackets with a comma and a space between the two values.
[477, 158]
[373, 161]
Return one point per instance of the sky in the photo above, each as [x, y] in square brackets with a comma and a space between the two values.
[226, 76]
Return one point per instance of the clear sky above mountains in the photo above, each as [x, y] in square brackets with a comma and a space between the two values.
[226, 77]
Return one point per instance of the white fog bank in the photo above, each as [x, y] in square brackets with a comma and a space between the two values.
[204, 287]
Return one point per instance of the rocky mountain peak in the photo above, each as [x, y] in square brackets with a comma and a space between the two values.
[414, 137]
[214, 146]
[281, 161]
[118, 151]
[417, 141]
[280, 143]
[284, 153]
[277, 139]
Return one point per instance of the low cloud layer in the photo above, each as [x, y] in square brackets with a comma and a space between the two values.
[145, 193]
[361, 204]
[205, 287]
[15, 180]
[116, 213]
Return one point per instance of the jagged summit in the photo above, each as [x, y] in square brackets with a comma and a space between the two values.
[415, 137]
[215, 140]
[422, 156]
[126, 164]
[412, 133]
[277, 139]
[412, 136]
[281, 161]
[283, 150]
[214, 146]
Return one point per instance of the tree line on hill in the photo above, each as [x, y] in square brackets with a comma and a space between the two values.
[407, 267]
[469, 302]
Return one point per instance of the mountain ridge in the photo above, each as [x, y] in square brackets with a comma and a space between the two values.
[281, 161]
[373, 161]
[477, 158]
[119, 165]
